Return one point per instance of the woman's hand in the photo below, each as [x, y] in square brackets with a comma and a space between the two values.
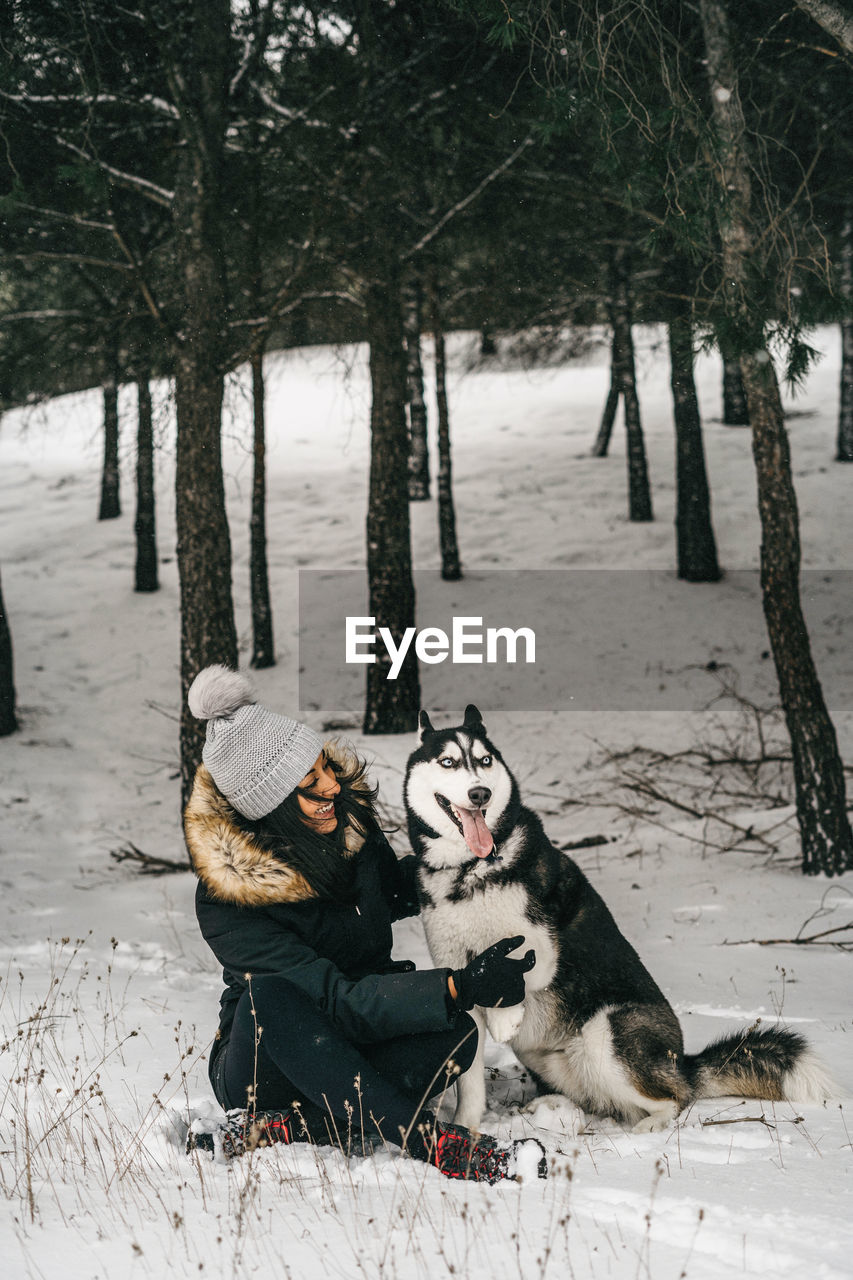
[492, 978]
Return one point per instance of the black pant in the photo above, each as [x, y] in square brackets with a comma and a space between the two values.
[301, 1056]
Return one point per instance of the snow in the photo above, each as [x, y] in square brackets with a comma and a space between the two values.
[109, 996]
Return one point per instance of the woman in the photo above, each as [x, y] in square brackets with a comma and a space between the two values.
[321, 1033]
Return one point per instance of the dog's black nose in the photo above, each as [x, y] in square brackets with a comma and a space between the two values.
[479, 796]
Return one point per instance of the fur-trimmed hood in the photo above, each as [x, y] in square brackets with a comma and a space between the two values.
[233, 863]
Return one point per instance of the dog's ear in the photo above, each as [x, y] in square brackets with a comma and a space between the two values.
[424, 726]
[473, 719]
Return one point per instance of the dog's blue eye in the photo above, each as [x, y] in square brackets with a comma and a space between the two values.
[447, 762]
[485, 761]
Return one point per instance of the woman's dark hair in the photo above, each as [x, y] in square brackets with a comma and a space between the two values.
[323, 859]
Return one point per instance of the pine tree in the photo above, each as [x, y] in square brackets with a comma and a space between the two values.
[390, 706]
[8, 716]
[639, 68]
[197, 67]
[624, 374]
[695, 543]
[826, 837]
[132, 102]
[254, 268]
[418, 450]
[145, 526]
[410, 135]
[110, 506]
[844, 449]
[735, 409]
[451, 567]
[263, 647]
[611, 404]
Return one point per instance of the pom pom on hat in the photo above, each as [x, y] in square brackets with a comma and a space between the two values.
[218, 691]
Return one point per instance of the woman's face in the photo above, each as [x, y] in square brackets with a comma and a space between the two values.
[320, 779]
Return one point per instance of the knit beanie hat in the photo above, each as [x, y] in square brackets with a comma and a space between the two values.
[255, 757]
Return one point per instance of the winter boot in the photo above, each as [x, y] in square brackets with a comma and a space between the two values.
[458, 1153]
[242, 1131]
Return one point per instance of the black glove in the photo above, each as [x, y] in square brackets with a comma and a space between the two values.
[491, 978]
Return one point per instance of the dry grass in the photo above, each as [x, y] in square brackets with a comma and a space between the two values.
[87, 1161]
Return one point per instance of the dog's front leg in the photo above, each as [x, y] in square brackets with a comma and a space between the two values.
[471, 1085]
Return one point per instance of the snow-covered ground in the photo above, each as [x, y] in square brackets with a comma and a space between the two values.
[109, 997]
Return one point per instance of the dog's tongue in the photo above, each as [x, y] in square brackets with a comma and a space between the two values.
[477, 835]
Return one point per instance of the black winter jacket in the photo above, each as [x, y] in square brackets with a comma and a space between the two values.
[260, 916]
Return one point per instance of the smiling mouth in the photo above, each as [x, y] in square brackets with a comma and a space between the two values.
[472, 825]
[325, 810]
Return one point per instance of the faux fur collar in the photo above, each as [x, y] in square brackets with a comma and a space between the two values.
[229, 860]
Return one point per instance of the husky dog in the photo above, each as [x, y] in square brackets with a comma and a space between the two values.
[594, 1025]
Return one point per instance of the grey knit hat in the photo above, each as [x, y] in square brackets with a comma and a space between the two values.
[255, 757]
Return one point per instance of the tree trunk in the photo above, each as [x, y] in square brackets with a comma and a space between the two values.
[8, 718]
[844, 451]
[263, 645]
[639, 493]
[418, 450]
[451, 569]
[488, 346]
[605, 430]
[263, 649]
[735, 410]
[110, 507]
[145, 526]
[392, 705]
[827, 843]
[695, 545]
[208, 633]
[826, 838]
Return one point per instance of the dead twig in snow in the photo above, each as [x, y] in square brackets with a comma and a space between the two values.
[586, 842]
[149, 864]
[762, 1119]
[812, 939]
[718, 793]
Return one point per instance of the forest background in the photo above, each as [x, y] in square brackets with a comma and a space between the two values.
[190, 184]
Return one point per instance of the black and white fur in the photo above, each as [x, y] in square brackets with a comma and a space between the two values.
[594, 1026]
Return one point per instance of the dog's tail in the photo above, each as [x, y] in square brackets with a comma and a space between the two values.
[771, 1063]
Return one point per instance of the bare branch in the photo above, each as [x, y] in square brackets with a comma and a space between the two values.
[467, 200]
[66, 217]
[142, 185]
[813, 939]
[285, 113]
[92, 100]
[740, 1120]
[267, 321]
[82, 258]
[47, 314]
[149, 864]
[134, 267]
[253, 49]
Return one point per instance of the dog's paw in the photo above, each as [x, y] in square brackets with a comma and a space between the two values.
[504, 1023]
[657, 1120]
[547, 1102]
